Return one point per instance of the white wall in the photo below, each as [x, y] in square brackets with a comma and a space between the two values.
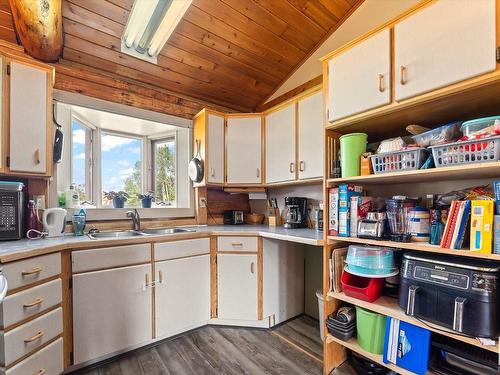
[368, 16]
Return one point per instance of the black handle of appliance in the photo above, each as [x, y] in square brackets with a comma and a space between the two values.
[410, 305]
[458, 314]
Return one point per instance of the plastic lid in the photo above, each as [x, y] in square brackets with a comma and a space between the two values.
[479, 121]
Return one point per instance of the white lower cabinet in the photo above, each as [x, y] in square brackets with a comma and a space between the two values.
[182, 294]
[112, 311]
[237, 281]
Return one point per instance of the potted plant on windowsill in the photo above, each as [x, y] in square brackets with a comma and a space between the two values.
[118, 198]
[147, 199]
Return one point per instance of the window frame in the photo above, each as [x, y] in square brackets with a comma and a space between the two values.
[153, 142]
[89, 154]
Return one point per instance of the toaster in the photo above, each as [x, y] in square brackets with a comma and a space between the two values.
[233, 217]
[461, 295]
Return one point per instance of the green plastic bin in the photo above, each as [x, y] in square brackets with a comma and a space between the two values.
[351, 147]
[371, 330]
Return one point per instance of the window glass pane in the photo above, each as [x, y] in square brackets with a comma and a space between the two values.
[78, 157]
[121, 167]
[164, 178]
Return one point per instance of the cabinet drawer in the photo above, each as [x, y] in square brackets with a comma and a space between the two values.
[29, 271]
[19, 306]
[26, 338]
[231, 243]
[48, 361]
[110, 257]
[180, 249]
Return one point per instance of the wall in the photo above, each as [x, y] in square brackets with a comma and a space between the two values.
[313, 279]
[369, 15]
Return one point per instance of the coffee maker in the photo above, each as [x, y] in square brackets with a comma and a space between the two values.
[296, 212]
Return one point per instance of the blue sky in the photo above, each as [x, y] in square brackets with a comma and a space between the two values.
[119, 154]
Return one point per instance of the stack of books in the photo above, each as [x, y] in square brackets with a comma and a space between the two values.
[456, 227]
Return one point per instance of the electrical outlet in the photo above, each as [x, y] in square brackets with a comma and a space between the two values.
[203, 203]
[39, 201]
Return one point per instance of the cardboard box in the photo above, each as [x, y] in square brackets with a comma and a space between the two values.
[346, 191]
[481, 226]
[360, 206]
[365, 164]
[333, 219]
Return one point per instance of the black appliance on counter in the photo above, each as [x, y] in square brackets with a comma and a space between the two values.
[459, 294]
[233, 217]
[296, 212]
[12, 210]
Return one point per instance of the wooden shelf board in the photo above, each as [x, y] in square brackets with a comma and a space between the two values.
[415, 246]
[459, 172]
[353, 345]
[388, 306]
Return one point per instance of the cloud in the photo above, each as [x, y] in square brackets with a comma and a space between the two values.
[134, 150]
[124, 173]
[79, 137]
[109, 142]
[80, 156]
[123, 163]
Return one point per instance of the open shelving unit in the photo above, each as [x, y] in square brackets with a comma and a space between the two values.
[389, 307]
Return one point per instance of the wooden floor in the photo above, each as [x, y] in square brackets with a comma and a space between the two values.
[223, 350]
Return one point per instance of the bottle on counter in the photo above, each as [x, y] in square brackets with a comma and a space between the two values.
[33, 219]
[72, 197]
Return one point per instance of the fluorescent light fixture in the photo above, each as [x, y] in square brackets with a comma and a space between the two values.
[150, 24]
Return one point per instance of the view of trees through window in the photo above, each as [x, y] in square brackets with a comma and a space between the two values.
[80, 138]
[164, 177]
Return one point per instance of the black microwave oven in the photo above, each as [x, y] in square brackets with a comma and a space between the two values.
[233, 217]
[12, 209]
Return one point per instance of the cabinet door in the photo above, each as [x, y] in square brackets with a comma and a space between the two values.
[28, 119]
[310, 126]
[215, 151]
[182, 294]
[280, 145]
[244, 149]
[237, 286]
[360, 78]
[444, 43]
[112, 311]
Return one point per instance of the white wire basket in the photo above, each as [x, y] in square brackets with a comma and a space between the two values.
[407, 160]
[467, 152]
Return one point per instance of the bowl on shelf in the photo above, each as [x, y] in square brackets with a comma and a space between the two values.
[254, 219]
[370, 261]
[367, 289]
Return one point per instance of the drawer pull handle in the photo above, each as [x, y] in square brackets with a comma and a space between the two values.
[302, 166]
[39, 335]
[381, 83]
[36, 302]
[37, 156]
[236, 244]
[41, 372]
[160, 277]
[252, 267]
[32, 271]
[402, 75]
[292, 167]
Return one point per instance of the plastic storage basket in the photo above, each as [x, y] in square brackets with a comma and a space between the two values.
[407, 160]
[467, 152]
[371, 330]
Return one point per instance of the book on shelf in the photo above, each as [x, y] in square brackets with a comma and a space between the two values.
[456, 227]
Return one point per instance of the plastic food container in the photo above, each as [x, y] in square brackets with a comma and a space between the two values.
[371, 330]
[370, 260]
[364, 288]
[444, 134]
[479, 125]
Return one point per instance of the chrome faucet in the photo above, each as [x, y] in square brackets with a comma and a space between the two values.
[136, 220]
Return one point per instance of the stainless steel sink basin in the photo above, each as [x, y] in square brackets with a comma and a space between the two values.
[116, 234]
[160, 231]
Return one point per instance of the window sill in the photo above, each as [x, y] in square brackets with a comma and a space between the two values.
[95, 214]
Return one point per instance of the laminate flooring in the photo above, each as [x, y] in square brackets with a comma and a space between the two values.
[222, 351]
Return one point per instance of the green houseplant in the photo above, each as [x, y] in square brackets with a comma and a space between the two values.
[118, 198]
[147, 199]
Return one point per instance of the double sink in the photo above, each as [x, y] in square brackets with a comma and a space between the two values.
[133, 233]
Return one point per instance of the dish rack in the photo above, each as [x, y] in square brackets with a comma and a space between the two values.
[407, 160]
[467, 152]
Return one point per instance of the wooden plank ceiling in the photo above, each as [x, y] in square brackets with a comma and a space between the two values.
[232, 53]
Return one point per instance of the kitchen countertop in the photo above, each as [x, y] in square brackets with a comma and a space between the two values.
[20, 249]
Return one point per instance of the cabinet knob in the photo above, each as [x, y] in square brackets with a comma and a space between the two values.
[37, 156]
[402, 75]
[381, 83]
[302, 166]
[292, 167]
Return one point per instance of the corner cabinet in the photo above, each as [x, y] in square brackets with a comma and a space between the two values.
[244, 149]
[26, 117]
[444, 43]
[359, 79]
[280, 144]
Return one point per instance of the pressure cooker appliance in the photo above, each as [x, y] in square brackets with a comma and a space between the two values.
[461, 295]
[11, 210]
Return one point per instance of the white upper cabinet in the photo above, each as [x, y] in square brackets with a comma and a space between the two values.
[28, 118]
[215, 157]
[280, 145]
[444, 43]
[237, 286]
[244, 150]
[182, 294]
[359, 79]
[310, 125]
